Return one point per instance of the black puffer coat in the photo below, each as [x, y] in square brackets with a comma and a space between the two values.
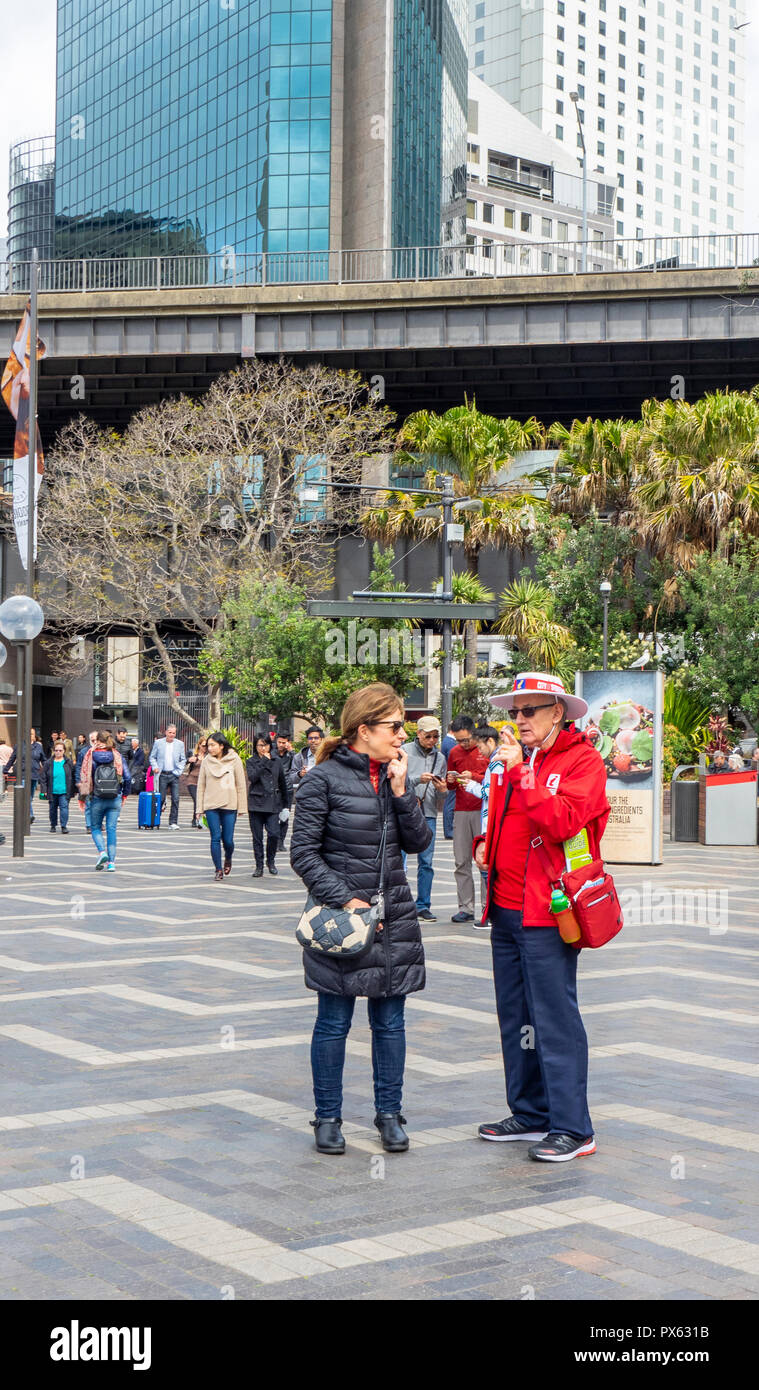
[335, 843]
[267, 784]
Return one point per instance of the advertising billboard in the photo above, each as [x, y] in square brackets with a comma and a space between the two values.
[624, 722]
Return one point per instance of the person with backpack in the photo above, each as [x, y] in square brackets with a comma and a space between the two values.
[552, 788]
[105, 780]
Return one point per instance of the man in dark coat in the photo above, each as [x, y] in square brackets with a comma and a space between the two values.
[355, 799]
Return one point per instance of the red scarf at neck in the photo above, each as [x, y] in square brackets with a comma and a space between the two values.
[374, 770]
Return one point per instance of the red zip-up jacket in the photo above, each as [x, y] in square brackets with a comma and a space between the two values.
[564, 792]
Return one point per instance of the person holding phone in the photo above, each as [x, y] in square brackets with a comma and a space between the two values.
[465, 757]
[355, 805]
[427, 770]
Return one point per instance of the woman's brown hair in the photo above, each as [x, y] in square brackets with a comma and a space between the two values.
[105, 738]
[368, 705]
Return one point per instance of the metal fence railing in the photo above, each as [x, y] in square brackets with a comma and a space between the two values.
[154, 713]
[479, 257]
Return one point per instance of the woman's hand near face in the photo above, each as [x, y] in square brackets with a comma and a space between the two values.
[396, 771]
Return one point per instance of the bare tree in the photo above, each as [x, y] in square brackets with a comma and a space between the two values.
[161, 524]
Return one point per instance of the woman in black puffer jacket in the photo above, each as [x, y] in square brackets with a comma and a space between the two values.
[359, 779]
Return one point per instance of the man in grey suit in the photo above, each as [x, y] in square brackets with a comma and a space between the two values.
[167, 758]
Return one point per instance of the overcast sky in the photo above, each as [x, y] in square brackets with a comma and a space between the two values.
[28, 98]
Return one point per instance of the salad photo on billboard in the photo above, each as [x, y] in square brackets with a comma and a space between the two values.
[623, 733]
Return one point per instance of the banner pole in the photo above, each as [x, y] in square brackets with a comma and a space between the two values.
[31, 528]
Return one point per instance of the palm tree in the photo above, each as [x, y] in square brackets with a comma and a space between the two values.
[526, 615]
[595, 469]
[478, 451]
[698, 463]
[468, 588]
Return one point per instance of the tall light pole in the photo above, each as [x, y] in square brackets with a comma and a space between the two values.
[605, 588]
[21, 620]
[574, 97]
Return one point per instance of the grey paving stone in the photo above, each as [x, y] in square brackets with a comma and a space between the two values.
[264, 1177]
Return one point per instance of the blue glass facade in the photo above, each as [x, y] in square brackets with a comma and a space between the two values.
[189, 126]
[429, 118]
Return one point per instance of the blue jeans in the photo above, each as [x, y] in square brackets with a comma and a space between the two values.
[110, 807]
[333, 1021]
[449, 806]
[222, 827]
[424, 870]
[535, 976]
[59, 802]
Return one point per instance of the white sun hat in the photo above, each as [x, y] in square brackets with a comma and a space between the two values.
[541, 683]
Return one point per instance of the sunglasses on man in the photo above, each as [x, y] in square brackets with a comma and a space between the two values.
[529, 710]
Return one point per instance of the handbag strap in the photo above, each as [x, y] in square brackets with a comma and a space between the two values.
[383, 844]
[538, 845]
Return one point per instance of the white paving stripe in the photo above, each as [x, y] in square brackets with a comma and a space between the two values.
[279, 1112]
[221, 1242]
[428, 1066]
[263, 972]
[175, 1004]
[698, 1130]
[99, 1057]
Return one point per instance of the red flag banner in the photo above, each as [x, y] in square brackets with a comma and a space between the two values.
[15, 393]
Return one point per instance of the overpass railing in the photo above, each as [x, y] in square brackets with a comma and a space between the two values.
[479, 258]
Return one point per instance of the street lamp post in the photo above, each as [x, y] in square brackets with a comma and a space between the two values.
[575, 97]
[21, 620]
[605, 588]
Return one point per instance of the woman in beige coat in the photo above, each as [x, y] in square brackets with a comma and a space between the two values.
[222, 792]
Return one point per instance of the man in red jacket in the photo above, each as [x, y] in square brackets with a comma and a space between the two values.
[558, 791]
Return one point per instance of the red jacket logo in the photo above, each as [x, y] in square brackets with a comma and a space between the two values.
[552, 783]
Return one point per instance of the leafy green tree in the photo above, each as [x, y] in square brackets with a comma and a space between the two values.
[278, 659]
[478, 451]
[721, 602]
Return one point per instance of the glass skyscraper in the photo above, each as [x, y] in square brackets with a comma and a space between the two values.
[206, 126]
[184, 125]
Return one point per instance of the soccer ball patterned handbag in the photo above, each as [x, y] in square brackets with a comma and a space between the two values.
[344, 932]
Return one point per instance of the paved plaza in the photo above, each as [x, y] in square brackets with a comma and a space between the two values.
[155, 1095]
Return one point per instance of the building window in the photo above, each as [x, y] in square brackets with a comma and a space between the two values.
[487, 212]
[471, 209]
[562, 231]
[525, 221]
[546, 227]
[545, 260]
[508, 217]
[479, 58]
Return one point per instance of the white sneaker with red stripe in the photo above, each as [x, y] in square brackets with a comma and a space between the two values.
[559, 1148]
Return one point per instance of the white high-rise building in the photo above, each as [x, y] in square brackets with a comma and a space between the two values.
[660, 89]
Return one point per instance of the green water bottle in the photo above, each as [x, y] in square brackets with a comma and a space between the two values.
[566, 921]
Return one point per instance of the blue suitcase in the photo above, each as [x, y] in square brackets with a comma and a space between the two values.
[148, 811]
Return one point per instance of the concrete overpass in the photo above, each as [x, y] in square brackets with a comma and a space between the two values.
[554, 345]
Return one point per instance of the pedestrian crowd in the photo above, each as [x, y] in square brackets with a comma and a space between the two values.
[515, 802]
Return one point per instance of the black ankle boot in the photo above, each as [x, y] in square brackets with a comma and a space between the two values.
[391, 1133]
[258, 871]
[328, 1137]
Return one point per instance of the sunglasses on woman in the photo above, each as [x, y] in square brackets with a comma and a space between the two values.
[395, 724]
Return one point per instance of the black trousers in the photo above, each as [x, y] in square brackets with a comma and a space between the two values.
[169, 782]
[268, 820]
